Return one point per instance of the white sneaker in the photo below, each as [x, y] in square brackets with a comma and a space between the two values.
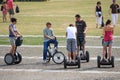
[44, 62]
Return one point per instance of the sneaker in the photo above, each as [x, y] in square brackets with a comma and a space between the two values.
[103, 61]
[109, 60]
[44, 62]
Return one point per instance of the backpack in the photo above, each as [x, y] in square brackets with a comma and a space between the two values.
[17, 10]
[1, 8]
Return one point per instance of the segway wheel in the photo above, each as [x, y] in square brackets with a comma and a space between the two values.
[112, 61]
[9, 59]
[78, 59]
[18, 58]
[58, 57]
[48, 57]
[65, 63]
[98, 61]
[87, 56]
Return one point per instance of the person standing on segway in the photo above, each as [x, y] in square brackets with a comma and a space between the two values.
[81, 31]
[108, 39]
[13, 34]
[71, 42]
[48, 38]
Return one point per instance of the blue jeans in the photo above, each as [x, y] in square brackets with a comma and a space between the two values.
[46, 44]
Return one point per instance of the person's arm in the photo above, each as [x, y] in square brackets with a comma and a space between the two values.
[85, 28]
[103, 33]
[110, 10]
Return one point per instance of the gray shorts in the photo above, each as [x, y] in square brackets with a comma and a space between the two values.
[11, 11]
[12, 40]
[107, 43]
[71, 45]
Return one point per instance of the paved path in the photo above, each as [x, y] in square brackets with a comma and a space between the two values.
[32, 68]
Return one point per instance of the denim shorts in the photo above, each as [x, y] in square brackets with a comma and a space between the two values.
[107, 43]
[71, 45]
[12, 40]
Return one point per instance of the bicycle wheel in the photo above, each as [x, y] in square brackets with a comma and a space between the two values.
[58, 57]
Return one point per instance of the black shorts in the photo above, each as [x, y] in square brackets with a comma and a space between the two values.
[81, 39]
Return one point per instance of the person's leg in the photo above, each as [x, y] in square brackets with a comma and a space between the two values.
[69, 49]
[116, 18]
[12, 50]
[13, 46]
[45, 50]
[69, 56]
[104, 52]
[110, 49]
[113, 19]
[97, 20]
[74, 49]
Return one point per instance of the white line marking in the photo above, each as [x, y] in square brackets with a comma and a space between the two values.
[65, 71]
[56, 36]
[36, 57]
[34, 46]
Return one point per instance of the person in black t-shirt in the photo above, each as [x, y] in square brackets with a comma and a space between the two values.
[114, 12]
[81, 32]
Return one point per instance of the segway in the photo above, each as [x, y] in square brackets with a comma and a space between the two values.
[76, 63]
[17, 58]
[99, 62]
[82, 56]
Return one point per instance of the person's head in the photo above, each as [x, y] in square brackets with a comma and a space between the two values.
[48, 24]
[98, 3]
[77, 16]
[108, 22]
[71, 25]
[13, 20]
[114, 1]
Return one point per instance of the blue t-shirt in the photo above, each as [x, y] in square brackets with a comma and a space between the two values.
[14, 29]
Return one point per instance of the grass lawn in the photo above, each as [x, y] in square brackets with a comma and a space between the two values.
[34, 15]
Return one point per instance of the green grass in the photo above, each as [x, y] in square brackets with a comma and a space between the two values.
[34, 15]
[30, 41]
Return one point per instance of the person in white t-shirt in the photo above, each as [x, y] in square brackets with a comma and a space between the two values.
[71, 42]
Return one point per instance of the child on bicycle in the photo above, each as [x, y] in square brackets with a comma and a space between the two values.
[71, 42]
[108, 39]
[48, 38]
[13, 34]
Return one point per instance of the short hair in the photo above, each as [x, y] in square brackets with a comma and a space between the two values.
[98, 2]
[13, 19]
[108, 22]
[48, 23]
[77, 16]
[71, 25]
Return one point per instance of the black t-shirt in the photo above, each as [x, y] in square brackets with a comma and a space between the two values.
[114, 8]
[81, 26]
[98, 9]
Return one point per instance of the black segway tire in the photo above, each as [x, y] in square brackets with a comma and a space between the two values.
[87, 56]
[58, 57]
[98, 61]
[18, 58]
[9, 59]
[65, 63]
[112, 61]
[79, 64]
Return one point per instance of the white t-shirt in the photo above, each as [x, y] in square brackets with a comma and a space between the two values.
[71, 32]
